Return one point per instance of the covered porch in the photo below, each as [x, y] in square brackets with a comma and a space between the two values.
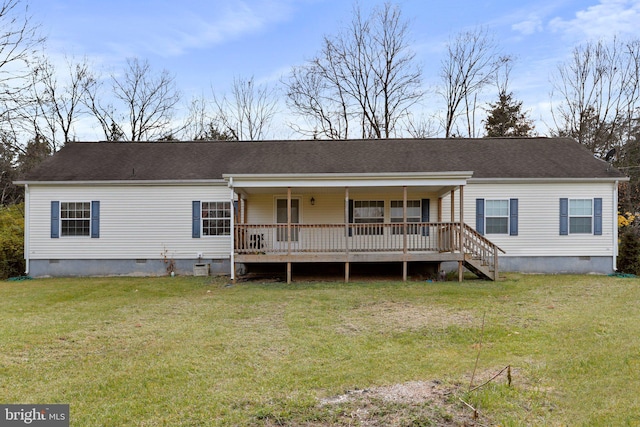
[358, 218]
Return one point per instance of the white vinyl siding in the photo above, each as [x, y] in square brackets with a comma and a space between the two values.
[136, 222]
[539, 217]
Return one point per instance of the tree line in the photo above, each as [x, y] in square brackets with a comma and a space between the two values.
[364, 82]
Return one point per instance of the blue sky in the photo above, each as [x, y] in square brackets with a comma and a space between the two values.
[206, 43]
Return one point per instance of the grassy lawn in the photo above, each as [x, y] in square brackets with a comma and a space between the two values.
[196, 351]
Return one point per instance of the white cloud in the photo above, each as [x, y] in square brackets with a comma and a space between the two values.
[227, 21]
[532, 24]
[608, 18]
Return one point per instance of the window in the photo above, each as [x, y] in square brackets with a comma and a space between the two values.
[497, 216]
[580, 216]
[75, 219]
[282, 218]
[368, 212]
[216, 218]
[414, 214]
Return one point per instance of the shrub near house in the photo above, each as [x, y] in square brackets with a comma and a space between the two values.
[11, 240]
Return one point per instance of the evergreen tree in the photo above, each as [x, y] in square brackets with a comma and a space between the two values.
[506, 118]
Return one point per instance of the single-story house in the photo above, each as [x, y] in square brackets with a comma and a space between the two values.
[540, 205]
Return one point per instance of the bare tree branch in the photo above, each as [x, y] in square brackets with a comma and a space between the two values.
[362, 82]
[248, 112]
[470, 65]
[598, 91]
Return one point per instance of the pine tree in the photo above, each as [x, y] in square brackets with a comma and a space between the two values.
[505, 118]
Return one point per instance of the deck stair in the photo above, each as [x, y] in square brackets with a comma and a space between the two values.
[480, 254]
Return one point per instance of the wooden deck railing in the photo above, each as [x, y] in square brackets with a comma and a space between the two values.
[481, 249]
[332, 238]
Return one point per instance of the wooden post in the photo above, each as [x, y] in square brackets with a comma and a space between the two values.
[233, 239]
[346, 234]
[453, 218]
[461, 216]
[289, 234]
[404, 232]
[460, 271]
[346, 272]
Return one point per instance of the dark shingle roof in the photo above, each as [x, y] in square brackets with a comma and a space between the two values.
[487, 158]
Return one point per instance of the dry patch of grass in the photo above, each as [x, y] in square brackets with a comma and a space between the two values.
[194, 351]
[401, 316]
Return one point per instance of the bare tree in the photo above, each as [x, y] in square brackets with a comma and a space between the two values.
[147, 103]
[200, 125]
[248, 112]
[471, 64]
[19, 43]
[362, 82]
[421, 127]
[598, 91]
[59, 101]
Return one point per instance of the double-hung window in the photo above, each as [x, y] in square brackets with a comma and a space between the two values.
[497, 216]
[216, 218]
[75, 219]
[414, 214]
[580, 216]
[368, 212]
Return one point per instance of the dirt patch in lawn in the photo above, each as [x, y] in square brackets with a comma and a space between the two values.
[402, 316]
[415, 403]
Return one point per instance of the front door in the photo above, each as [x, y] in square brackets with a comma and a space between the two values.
[281, 218]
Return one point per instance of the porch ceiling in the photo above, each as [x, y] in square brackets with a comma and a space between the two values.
[440, 182]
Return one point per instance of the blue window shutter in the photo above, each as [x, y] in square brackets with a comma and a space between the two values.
[195, 219]
[564, 217]
[425, 216]
[513, 217]
[597, 217]
[95, 219]
[350, 216]
[480, 216]
[55, 220]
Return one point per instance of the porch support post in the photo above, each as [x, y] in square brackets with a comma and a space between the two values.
[453, 218]
[289, 234]
[461, 216]
[404, 232]
[346, 234]
[233, 238]
[462, 251]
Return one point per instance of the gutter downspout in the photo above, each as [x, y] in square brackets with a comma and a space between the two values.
[233, 230]
[615, 226]
[27, 209]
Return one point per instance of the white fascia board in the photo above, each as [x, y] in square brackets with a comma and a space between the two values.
[220, 182]
[544, 180]
[348, 180]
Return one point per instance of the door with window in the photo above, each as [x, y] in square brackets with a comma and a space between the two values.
[281, 218]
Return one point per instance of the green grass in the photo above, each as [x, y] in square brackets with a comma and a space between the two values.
[194, 351]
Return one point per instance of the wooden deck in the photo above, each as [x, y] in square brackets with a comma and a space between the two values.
[362, 243]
